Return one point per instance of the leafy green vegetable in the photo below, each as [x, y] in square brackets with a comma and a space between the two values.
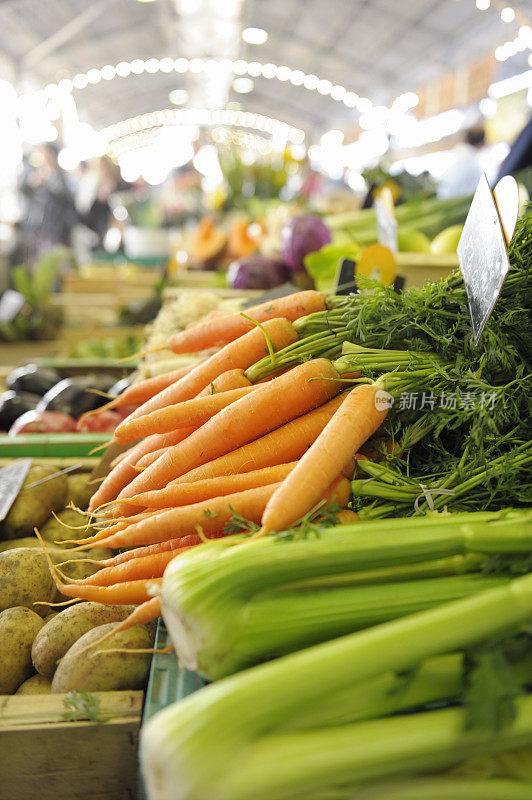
[82, 705]
[323, 263]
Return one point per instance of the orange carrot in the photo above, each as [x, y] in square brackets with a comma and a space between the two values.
[124, 471]
[352, 425]
[140, 552]
[226, 328]
[240, 354]
[135, 569]
[150, 458]
[211, 515]
[185, 493]
[142, 615]
[307, 386]
[231, 379]
[190, 413]
[140, 392]
[287, 443]
[346, 515]
[131, 592]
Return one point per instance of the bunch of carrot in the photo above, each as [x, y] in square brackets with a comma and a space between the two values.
[212, 445]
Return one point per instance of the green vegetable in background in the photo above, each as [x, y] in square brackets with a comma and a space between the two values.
[322, 264]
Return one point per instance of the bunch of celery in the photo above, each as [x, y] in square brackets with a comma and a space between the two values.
[228, 607]
[324, 723]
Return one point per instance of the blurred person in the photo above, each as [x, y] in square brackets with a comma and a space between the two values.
[50, 214]
[95, 206]
[520, 155]
[463, 175]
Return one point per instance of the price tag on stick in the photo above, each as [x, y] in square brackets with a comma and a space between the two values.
[386, 222]
[482, 249]
[11, 479]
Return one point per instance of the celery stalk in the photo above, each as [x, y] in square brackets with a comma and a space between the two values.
[444, 789]
[364, 751]
[273, 624]
[204, 747]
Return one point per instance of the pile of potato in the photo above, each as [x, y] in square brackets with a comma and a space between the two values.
[40, 649]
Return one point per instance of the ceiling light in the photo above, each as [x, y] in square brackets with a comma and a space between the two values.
[94, 75]
[254, 69]
[364, 105]
[350, 99]
[324, 87]
[283, 73]
[152, 65]
[488, 107]
[338, 92]
[123, 69]
[254, 35]
[166, 64]
[297, 77]
[181, 64]
[178, 96]
[146, 1]
[483, 5]
[240, 67]
[196, 65]
[243, 85]
[500, 53]
[137, 66]
[269, 70]
[65, 85]
[508, 14]
[310, 82]
[510, 85]
[80, 80]
[108, 72]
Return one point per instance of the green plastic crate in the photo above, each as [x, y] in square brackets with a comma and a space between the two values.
[168, 683]
[50, 445]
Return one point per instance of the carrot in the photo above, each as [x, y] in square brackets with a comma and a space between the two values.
[346, 515]
[307, 386]
[185, 493]
[231, 379]
[240, 354]
[287, 443]
[226, 328]
[352, 425]
[211, 515]
[140, 392]
[142, 615]
[190, 413]
[132, 592]
[124, 471]
[135, 569]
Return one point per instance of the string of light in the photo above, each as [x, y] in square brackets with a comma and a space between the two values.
[238, 67]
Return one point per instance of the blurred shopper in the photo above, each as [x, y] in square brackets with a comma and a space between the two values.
[520, 155]
[50, 214]
[94, 206]
[462, 177]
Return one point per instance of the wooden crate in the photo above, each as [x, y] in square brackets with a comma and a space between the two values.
[43, 756]
[421, 268]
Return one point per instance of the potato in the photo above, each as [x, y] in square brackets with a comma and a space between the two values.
[37, 684]
[25, 541]
[78, 492]
[105, 672]
[56, 637]
[24, 579]
[33, 506]
[56, 532]
[18, 628]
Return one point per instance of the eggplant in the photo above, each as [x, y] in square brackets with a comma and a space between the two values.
[32, 379]
[72, 396]
[13, 405]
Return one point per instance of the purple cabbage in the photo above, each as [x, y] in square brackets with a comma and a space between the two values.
[300, 236]
[256, 272]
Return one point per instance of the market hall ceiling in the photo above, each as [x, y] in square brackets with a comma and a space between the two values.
[377, 48]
